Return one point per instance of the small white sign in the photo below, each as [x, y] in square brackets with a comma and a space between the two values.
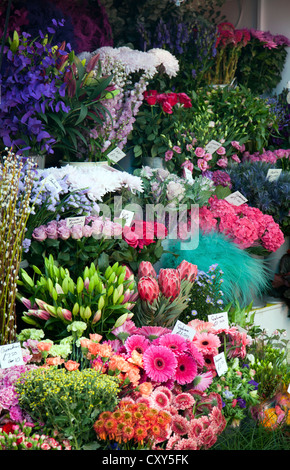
[288, 389]
[273, 174]
[116, 155]
[219, 320]
[188, 175]
[127, 216]
[50, 181]
[71, 221]
[220, 363]
[212, 146]
[236, 198]
[11, 355]
[184, 330]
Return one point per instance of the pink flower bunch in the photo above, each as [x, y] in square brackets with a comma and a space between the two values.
[19, 437]
[93, 227]
[269, 41]
[196, 417]
[142, 233]
[268, 156]
[209, 339]
[8, 396]
[168, 283]
[244, 225]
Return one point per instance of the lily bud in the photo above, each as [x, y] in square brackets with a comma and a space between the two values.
[97, 317]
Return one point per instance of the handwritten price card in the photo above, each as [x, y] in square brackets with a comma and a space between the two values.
[220, 364]
[220, 320]
[183, 330]
[10, 355]
[71, 221]
[116, 155]
[236, 198]
[212, 146]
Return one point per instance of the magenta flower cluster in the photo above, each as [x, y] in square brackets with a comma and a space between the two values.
[246, 226]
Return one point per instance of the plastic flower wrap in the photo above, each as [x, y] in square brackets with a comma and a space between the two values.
[100, 299]
[163, 298]
[246, 226]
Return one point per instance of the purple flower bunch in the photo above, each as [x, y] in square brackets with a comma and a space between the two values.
[31, 83]
[94, 227]
[9, 406]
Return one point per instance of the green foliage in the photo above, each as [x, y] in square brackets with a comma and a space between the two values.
[260, 68]
[100, 298]
[67, 401]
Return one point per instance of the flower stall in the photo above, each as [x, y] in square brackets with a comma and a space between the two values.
[144, 213]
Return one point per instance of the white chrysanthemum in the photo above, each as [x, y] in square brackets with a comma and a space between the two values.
[166, 59]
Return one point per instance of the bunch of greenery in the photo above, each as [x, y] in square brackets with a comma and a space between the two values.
[260, 67]
[231, 113]
[70, 401]
[98, 298]
[270, 362]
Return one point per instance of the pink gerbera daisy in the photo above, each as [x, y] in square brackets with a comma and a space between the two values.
[165, 390]
[186, 369]
[197, 355]
[201, 326]
[218, 419]
[195, 428]
[137, 343]
[179, 425]
[207, 343]
[160, 399]
[202, 381]
[153, 332]
[159, 363]
[186, 444]
[175, 342]
[183, 401]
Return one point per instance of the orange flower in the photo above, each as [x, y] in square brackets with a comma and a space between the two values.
[44, 346]
[85, 343]
[54, 361]
[97, 349]
[140, 434]
[145, 388]
[95, 337]
[71, 365]
[136, 358]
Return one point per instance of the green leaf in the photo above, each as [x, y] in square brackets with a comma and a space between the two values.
[83, 114]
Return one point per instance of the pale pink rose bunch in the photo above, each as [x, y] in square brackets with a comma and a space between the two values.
[93, 227]
[244, 225]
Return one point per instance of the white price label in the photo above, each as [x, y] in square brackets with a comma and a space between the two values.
[11, 355]
[273, 174]
[288, 389]
[71, 221]
[219, 320]
[220, 363]
[116, 155]
[183, 330]
[236, 198]
[50, 181]
[212, 146]
[127, 216]
[188, 175]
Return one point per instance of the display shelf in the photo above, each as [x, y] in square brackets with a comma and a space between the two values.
[275, 315]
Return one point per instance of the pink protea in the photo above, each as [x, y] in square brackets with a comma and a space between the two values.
[148, 289]
[187, 270]
[146, 269]
[169, 282]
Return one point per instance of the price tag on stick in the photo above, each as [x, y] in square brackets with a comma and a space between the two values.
[183, 330]
[11, 355]
[220, 364]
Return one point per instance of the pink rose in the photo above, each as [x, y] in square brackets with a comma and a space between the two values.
[63, 231]
[207, 156]
[51, 230]
[221, 151]
[202, 164]
[76, 232]
[87, 231]
[199, 152]
[39, 233]
[168, 155]
[97, 227]
[222, 162]
[236, 158]
[117, 229]
[177, 149]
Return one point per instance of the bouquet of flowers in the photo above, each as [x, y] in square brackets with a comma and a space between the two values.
[130, 69]
[229, 44]
[246, 226]
[156, 118]
[98, 298]
[171, 190]
[163, 299]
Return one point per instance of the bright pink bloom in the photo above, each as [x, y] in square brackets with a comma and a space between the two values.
[169, 282]
[148, 289]
[187, 270]
[159, 363]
